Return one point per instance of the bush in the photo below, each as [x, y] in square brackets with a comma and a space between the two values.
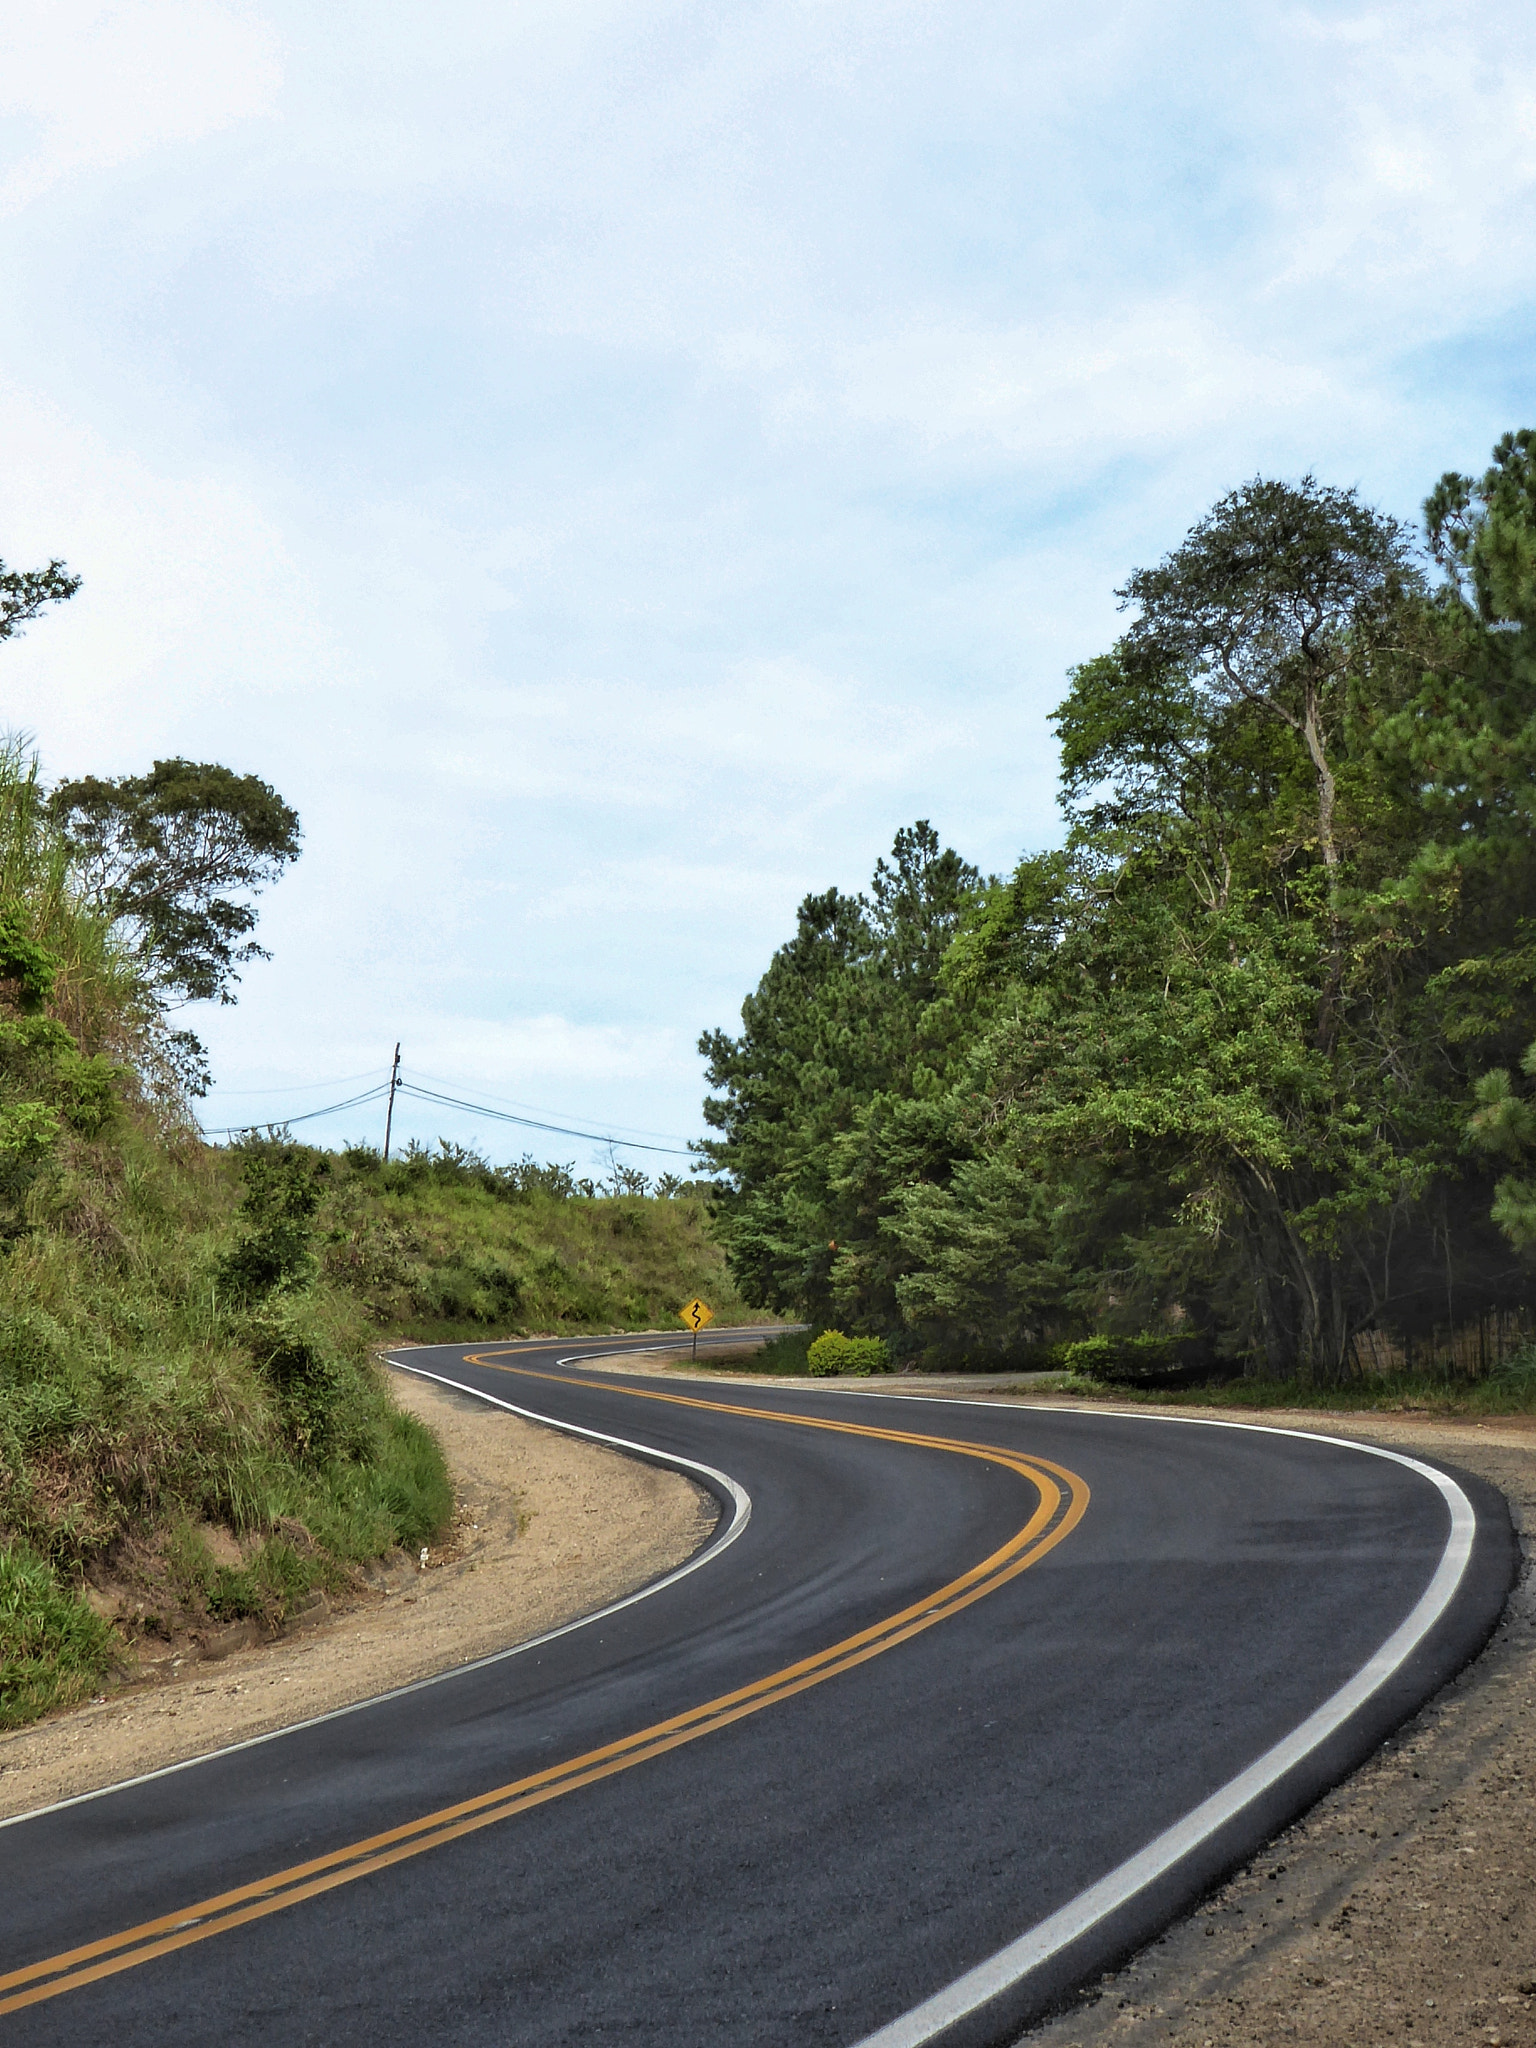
[283, 1185]
[1144, 1361]
[833, 1353]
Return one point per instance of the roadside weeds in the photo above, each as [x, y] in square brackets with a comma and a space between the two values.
[547, 1528]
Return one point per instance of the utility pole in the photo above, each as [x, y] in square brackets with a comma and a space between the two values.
[389, 1114]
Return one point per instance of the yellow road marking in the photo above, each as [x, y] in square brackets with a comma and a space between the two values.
[1061, 1508]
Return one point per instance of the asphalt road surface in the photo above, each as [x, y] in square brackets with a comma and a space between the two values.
[959, 1704]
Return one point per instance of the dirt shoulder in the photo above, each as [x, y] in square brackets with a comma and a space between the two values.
[547, 1528]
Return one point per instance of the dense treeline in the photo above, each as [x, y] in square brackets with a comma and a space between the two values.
[1231, 1067]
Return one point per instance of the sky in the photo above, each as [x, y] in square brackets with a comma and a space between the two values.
[611, 467]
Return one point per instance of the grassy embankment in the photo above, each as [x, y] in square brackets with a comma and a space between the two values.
[440, 1246]
[193, 1425]
[154, 1408]
[194, 1428]
[181, 1443]
[176, 1451]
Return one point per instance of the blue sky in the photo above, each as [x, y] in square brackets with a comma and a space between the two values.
[611, 466]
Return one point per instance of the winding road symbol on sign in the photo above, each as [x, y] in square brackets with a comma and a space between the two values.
[696, 1314]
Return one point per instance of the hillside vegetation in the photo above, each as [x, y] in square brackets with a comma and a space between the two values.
[152, 1392]
[187, 1362]
[440, 1245]
[194, 1426]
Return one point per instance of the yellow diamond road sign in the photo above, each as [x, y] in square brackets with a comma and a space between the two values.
[696, 1315]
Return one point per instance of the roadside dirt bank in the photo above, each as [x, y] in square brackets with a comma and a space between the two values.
[547, 1528]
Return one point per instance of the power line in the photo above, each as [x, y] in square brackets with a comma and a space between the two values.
[511, 1102]
[394, 1087]
[275, 1123]
[302, 1087]
[529, 1123]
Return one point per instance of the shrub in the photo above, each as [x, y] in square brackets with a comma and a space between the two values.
[282, 1193]
[833, 1353]
[1137, 1361]
[786, 1354]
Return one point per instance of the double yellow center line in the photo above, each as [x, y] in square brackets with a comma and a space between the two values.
[1062, 1500]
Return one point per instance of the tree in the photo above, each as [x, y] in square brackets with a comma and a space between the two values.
[169, 855]
[24, 592]
[1272, 602]
[824, 1096]
[1207, 1069]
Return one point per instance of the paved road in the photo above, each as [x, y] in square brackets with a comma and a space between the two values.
[960, 1703]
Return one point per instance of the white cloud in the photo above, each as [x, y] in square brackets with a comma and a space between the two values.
[610, 466]
[103, 82]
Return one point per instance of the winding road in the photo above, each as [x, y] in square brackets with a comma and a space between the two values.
[961, 1702]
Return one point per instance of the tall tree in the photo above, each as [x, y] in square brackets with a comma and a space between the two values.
[1276, 597]
[840, 1029]
[174, 857]
[1208, 1067]
[24, 592]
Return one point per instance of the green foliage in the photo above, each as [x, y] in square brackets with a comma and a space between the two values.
[24, 592]
[833, 1353]
[164, 1367]
[167, 855]
[785, 1355]
[53, 1649]
[283, 1188]
[29, 968]
[1142, 1360]
[1504, 1124]
[1210, 1065]
[832, 1091]
[441, 1244]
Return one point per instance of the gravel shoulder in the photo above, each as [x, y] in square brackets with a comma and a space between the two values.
[547, 1528]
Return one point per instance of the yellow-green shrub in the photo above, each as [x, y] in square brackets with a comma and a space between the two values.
[832, 1353]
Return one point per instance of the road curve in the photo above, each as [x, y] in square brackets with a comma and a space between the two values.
[961, 1702]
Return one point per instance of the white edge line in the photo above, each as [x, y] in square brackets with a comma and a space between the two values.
[1000, 1972]
[741, 1504]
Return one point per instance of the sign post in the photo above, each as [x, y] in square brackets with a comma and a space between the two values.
[696, 1314]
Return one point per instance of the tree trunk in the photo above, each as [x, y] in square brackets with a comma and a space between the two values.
[1327, 795]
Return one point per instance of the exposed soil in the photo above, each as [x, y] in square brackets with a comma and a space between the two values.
[547, 1528]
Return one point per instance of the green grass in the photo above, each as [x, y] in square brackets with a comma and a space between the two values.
[53, 1648]
[437, 1249]
[151, 1390]
[138, 1403]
